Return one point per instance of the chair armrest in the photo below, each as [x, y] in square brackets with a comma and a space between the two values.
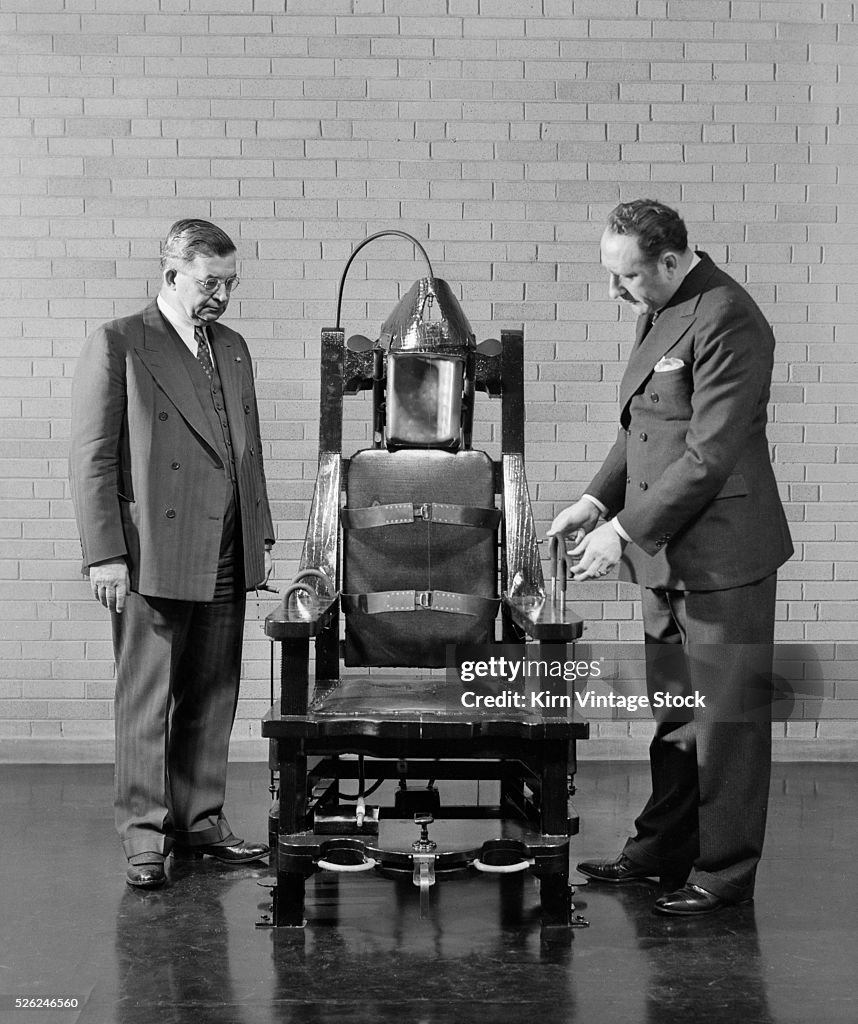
[310, 601]
[543, 619]
[302, 613]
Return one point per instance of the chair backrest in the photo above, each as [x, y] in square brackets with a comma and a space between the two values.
[346, 561]
[420, 563]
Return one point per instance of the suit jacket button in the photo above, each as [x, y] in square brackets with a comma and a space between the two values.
[175, 465]
[643, 435]
[643, 485]
[654, 396]
[170, 513]
[247, 409]
[162, 415]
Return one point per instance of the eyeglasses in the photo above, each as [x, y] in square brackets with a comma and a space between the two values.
[211, 284]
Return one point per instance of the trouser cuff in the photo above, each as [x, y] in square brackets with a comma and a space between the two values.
[204, 837]
[147, 842]
[719, 887]
[634, 852]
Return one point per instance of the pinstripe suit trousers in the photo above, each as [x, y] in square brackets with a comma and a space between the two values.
[711, 768]
[178, 666]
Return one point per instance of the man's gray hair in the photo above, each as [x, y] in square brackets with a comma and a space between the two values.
[188, 239]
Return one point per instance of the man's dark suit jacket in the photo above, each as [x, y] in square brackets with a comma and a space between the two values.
[147, 471]
[689, 476]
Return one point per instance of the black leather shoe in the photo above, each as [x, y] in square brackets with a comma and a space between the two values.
[149, 875]
[233, 851]
[692, 901]
[618, 870]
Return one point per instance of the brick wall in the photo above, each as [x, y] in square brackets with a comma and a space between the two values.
[499, 132]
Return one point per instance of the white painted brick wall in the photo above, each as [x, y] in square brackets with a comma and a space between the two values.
[500, 132]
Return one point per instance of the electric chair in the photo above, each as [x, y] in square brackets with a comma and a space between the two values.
[417, 550]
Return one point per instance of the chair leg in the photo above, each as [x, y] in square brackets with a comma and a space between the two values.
[273, 830]
[512, 800]
[288, 895]
[289, 900]
[555, 898]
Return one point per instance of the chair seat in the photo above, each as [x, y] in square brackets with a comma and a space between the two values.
[390, 706]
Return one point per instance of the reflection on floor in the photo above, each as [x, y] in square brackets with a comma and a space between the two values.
[192, 953]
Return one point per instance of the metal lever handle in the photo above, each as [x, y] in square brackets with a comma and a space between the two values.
[424, 844]
[559, 566]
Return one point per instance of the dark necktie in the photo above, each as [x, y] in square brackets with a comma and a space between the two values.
[650, 320]
[204, 356]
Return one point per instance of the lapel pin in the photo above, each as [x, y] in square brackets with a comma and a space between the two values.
[238, 359]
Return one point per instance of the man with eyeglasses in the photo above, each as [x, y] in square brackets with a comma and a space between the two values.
[171, 504]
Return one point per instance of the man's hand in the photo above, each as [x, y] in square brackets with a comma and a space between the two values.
[110, 584]
[575, 521]
[598, 553]
[269, 566]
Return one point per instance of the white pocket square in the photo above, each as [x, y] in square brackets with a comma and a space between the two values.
[666, 364]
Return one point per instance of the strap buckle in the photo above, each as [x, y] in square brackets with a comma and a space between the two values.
[422, 598]
[423, 511]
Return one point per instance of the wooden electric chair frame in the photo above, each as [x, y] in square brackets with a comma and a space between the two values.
[532, 756]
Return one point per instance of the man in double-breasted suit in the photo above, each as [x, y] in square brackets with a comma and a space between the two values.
[693, 515]
[170, 498]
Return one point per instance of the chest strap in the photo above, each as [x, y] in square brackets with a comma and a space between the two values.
[408, 512]
[419, 600]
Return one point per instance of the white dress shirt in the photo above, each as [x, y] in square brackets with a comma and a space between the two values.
[184, 328]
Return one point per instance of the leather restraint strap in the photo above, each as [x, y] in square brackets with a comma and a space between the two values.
[419, 600]
[408, 512]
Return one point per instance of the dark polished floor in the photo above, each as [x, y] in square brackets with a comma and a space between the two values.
[191, 952]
